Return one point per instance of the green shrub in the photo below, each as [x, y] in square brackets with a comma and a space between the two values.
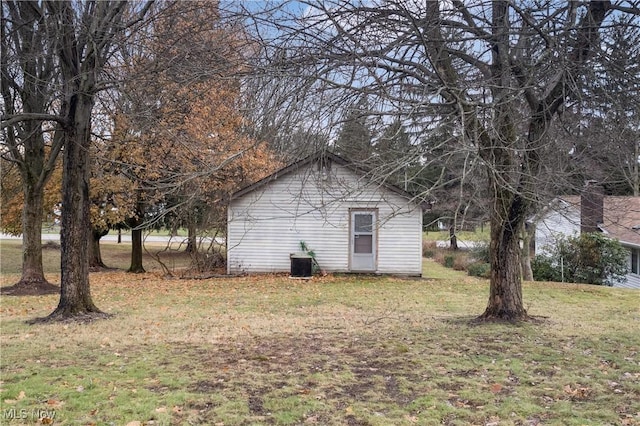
[428, 253]
[544, 269]
[589, 258]
[479, 269]
[449, 260]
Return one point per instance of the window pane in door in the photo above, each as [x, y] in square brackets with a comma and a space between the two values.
[363, 222]
[363, 244]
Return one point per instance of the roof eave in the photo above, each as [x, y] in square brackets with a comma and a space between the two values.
[333, 157]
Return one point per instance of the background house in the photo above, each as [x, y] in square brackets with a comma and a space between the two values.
[616, 217]
[352, 223]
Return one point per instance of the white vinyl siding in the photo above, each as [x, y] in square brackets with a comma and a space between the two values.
[561, 223]
[565, 221]
[633, 277]
[267, 224]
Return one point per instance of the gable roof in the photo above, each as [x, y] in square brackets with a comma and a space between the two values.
[323, 155]
[621, 217]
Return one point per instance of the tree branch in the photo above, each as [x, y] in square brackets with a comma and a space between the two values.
[11, 120]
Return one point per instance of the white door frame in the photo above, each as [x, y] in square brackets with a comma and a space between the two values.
[363, 240]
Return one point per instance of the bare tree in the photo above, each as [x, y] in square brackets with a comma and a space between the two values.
[28, 81]
[501, 71]
[79, 38]
[607, 143]
[86, 34]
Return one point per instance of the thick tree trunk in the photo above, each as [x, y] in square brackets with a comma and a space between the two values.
[32, 270]
[505, 292]
[136, 252]
[95, 256]
[32, 280]
[75, 295]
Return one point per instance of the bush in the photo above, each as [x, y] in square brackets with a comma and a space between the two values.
[455, 259]
[479, 269]
[480, 252]
[460, 262]
[429, 248]
[449, 260]
[544, 269]
[589, 258]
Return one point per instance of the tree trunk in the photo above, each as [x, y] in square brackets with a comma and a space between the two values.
[32, 281]
[32, 270]
[453, 239]
[192, 243]
[525, 261]
[75, 295]
[136, 238]
[95, 256]
[136, 252]
[505, 292]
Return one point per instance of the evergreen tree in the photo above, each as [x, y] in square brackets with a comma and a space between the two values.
[354, 142]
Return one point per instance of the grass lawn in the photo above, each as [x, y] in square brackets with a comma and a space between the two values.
[113, 255]
[50, 228]
[477, 235]
[336, 350]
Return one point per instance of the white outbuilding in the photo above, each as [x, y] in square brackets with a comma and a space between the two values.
[352, 222]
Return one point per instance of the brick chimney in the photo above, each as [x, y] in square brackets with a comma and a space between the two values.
[591, 207]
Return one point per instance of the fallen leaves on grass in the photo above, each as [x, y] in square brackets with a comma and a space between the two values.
[495, 388]
[578, 392]
[54, 403]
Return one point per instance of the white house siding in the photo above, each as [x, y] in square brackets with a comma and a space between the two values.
[565, 221]
[633, 280]
[267, 224]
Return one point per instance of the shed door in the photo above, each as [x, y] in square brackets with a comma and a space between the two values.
[363, 240]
